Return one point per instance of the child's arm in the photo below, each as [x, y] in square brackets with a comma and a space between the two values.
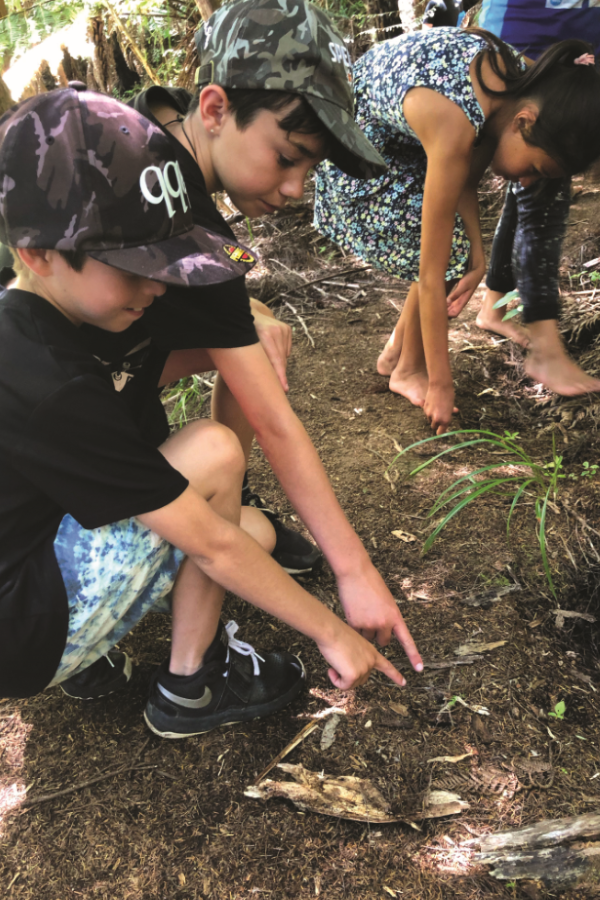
[447, 137]
[468, 210]
[368, 605]
[234, 560]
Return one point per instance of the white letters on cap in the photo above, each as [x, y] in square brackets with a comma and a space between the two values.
[167, 188]
[340, 54]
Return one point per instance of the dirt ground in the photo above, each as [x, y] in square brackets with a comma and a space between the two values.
[137, 817]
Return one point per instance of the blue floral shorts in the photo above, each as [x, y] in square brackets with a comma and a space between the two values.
[113, 576]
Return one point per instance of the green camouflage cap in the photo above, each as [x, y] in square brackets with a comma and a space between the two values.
[81, 171]
[292, 46]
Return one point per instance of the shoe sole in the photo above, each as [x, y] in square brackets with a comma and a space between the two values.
[220, 719]
[308, 570]
[126, 673]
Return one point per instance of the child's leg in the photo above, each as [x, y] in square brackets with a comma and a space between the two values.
[500, 279]
[291, 550]
[389, 356]
[549, 363]
[410, 378]
[542, 222]
[212, 460]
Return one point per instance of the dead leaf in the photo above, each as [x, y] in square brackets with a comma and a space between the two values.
[478, 647]
[345, 797]
[404, 536]
[399, 708]
[481, 731]
[442, 803]
[328, 735]
[562, 614]
[452, 759]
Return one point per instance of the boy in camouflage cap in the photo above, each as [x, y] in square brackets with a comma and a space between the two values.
[97, 524]
[274, 98]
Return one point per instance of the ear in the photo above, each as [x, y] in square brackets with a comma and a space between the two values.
[213, 107]
[39, 261]
[525, 118]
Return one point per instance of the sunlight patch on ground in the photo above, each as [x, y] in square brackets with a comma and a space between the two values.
[13, 740]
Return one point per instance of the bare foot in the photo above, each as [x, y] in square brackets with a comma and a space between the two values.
[560, 374]
[413, 385]
[490, 319]
[509, 329]
[389, 356]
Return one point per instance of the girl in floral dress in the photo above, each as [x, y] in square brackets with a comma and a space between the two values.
[440, 106]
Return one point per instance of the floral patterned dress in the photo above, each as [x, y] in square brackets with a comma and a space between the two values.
[380, 219]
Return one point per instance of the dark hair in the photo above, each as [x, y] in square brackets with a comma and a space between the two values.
[11, 260]
[74, 258]
[568, 124]
[245, 104]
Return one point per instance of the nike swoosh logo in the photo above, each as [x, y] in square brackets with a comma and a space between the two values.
[202, 701]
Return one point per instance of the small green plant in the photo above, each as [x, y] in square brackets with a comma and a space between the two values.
[188, 397]
[249, 227]
[504, 301]
[559, 710]
[531, 479]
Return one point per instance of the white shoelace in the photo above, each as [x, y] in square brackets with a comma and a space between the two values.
[241, 646]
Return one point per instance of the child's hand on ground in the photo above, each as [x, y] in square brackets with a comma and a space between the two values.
[439, 407]
[275, 338]
[462, 292]
[370, 609]
[352, 659]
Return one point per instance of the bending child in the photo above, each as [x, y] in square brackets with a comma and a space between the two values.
[97, 525]
[441, 105]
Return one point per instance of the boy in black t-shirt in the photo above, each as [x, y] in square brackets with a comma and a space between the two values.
[274, 98]
[97, 526]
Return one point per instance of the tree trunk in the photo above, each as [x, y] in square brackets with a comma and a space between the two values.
[207, 7]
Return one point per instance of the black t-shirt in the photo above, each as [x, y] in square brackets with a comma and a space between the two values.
[68, 444]
[217, 315]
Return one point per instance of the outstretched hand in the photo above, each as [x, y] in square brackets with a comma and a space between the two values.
[275, 338]
[371, 610]
[352, 659]
[462, 292]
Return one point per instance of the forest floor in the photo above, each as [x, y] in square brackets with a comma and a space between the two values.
[139, 818]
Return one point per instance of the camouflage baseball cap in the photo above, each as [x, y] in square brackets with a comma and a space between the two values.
[292, 46]
[81, 171]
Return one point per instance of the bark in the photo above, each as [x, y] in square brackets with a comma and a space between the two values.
[207, 7]
[554, 851]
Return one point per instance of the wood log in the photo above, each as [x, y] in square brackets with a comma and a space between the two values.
[547, 833]
[559, 867]
[553, 851]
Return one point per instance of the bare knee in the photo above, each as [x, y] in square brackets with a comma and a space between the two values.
[208, 454]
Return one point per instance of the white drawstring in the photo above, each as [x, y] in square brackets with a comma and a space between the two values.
[241, 647]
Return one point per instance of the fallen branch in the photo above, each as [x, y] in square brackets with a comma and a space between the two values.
[44, 798]
[538, 852]
[288, 749]
[302, 322]
[324, 278]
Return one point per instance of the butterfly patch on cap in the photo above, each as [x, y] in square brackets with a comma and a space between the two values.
[238, 254]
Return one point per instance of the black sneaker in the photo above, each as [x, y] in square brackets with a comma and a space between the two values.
[108, 674]
[292, 551]
[235, 684]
